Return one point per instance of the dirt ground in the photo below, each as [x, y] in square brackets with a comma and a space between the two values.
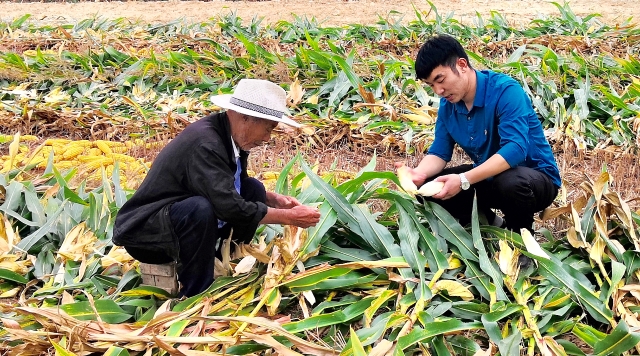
[329, 12]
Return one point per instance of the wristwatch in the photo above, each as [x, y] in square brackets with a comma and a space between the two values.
[464, 182]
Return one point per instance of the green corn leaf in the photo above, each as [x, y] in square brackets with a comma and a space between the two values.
[312, 277]
[338, 317]
[434, 329]
[144, 291]
[282, 186]
[440, 346]
[346, 254]
[510, 345]
[434, 255]
[335, 199]
[328, 218]
[619, 341]
[349, 280]
[486, 264]
[451, 231]
[490, 320]
[45, 229]
[61, 351]
[557, 272]
[408, 235]
[588, 334]
[109, 311]
[116, 351]
[8, 275]
[356, 345]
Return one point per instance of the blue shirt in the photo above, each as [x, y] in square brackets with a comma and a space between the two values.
[502, 121]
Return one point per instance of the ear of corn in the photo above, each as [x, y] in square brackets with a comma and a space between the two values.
[406, 181]
[430, 188]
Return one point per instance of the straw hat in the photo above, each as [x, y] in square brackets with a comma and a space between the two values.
[259, 98]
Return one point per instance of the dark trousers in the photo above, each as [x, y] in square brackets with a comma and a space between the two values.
[518, 192]
[196, 227]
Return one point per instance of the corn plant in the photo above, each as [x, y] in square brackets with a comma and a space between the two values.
[580, 73]
[404, 280]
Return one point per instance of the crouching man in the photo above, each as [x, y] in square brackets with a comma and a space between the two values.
[198, 190]
[491, 118]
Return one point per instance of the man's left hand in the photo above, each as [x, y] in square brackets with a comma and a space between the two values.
[280, 201]
[451, 186]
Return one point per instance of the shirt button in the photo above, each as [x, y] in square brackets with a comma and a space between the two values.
[472, 138]
[468, 117]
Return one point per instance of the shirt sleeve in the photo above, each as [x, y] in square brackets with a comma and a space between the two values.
[209, 176]
[513, 111]
[443, 142]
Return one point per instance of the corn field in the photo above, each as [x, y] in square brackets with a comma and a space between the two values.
[82, 105]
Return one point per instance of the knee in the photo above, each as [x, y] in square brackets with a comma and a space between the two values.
[195, 209]
[253, 190]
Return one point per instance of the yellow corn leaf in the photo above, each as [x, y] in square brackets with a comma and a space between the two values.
[386, 263]
[454, 289]
[57, 96]
[117, 255]
[14, 147]
[508, 259]
[245, 265]
[313, 99]
[420, 119]
[576, 223]
[531, 244]
[552, 213]
[557, 302]
[10, 293]
[573, 239]
[600, 185]
[268, 340]
[78, 242]
[383, 348]
[295, 94]
[11, 263]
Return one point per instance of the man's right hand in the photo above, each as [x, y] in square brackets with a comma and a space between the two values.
[304, 216]
[299, 215]
[417, 177]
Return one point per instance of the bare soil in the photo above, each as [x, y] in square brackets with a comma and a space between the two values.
[328, 12]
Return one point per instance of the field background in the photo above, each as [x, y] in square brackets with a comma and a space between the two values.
[329, 12]
[95, 100]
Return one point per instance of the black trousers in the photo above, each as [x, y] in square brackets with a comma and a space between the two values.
[196, 227]
[518, 192]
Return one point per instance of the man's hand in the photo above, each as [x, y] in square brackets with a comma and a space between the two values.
[304, 216]
[417, 177]
[280, 201]
[451, 186]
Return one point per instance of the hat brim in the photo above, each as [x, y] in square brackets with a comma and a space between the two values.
[223, 102]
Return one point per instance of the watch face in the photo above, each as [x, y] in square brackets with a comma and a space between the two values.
[465, 185]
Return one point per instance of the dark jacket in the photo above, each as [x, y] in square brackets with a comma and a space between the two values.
[198, 162]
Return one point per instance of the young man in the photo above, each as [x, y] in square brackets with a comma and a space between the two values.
[491, 118]
[198, 190]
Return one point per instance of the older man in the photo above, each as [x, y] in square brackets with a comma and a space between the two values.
[491, 118]
[198, 190]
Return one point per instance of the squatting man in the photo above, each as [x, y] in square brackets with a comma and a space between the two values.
[198, 189]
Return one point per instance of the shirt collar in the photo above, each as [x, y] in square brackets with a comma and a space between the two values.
[481, 88]
[236, 151]
[479, 98]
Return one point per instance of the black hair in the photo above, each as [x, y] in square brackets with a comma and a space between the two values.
[439, 50]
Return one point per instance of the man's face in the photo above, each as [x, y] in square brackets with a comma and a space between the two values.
[254, 132]
[449, 84]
